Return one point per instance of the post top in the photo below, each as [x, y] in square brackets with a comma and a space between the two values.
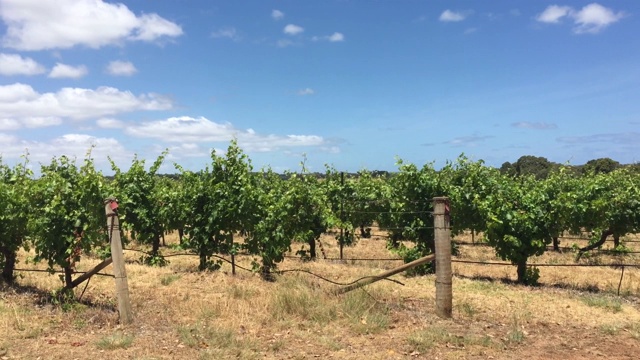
[441, 198]
[110, 199]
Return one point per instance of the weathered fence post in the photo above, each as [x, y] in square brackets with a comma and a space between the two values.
[443, 256]
[233, 264]
[122, 287]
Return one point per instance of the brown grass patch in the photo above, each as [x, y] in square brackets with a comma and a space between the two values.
[181, 313]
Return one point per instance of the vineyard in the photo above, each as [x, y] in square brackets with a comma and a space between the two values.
[231, 240]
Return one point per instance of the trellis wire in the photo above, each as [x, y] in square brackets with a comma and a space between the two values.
[550, 247]
[389, 212]
[61, 272]
[545, 265]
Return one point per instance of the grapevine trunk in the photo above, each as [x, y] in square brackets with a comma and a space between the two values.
[9, 264]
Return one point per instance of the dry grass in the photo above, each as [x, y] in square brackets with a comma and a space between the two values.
[181, 313]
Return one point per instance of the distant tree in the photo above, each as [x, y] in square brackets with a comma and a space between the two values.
[600, 166]
[508, 168]
[634, 168]
[533, 165]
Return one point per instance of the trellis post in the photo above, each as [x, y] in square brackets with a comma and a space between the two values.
[122, 287]
[444, 296]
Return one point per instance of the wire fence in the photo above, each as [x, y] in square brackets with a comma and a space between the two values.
[234, 265]
[551, 248]
[59, 272]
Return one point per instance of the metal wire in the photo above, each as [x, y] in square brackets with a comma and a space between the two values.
[61, 272]
[543, 265]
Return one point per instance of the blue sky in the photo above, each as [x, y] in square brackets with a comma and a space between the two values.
[353, 83]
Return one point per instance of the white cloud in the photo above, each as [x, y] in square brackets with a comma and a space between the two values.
[284, 43]
[14, 64]
[553, 13]
[471, 140]
[67, 71]
[331, 149]
[9, 124]
[153, 26]
[196, 130]
[335, 37]
[121, 68]
[108, 123]
[229, 33]
[307, 91]
[71, 145]
[534, 125]
[630, 138]
[277, 14]
[292, 29]
[452, 16]
[22, 101]
[61, 24]
[591, 18]
[177, 152]
[41, 121]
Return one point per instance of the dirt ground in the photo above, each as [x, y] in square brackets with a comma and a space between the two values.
[180, 313]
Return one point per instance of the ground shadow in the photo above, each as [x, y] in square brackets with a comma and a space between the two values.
[41, 297]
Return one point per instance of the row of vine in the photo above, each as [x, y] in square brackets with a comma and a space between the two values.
[59, 213]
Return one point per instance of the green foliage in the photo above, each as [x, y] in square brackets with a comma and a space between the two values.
[221, 202]
[537, 166]
[173, 207]
[341, 195]
[410, 201]
[467, 184]
[607, 204]
[531, 276]
[519, 208]
[140, 193]
[311, 215]
[600, 166]
[69, 212]
[15, 213]
[517, 223]
[355, 203]
[269, 232]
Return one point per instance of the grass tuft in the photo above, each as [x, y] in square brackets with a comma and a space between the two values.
[467, 309]
[515, 336]
[115, 341]
[241, 292]
[367, 315]
[634, 330]
[168, 279]
[295, 297]
[610, 329]
[605, 302]
[217, 342]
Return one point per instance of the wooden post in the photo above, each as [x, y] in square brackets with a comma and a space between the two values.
[384, 275]
[341, 213]
[443, 257]
[122, 288]
[233, 264]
